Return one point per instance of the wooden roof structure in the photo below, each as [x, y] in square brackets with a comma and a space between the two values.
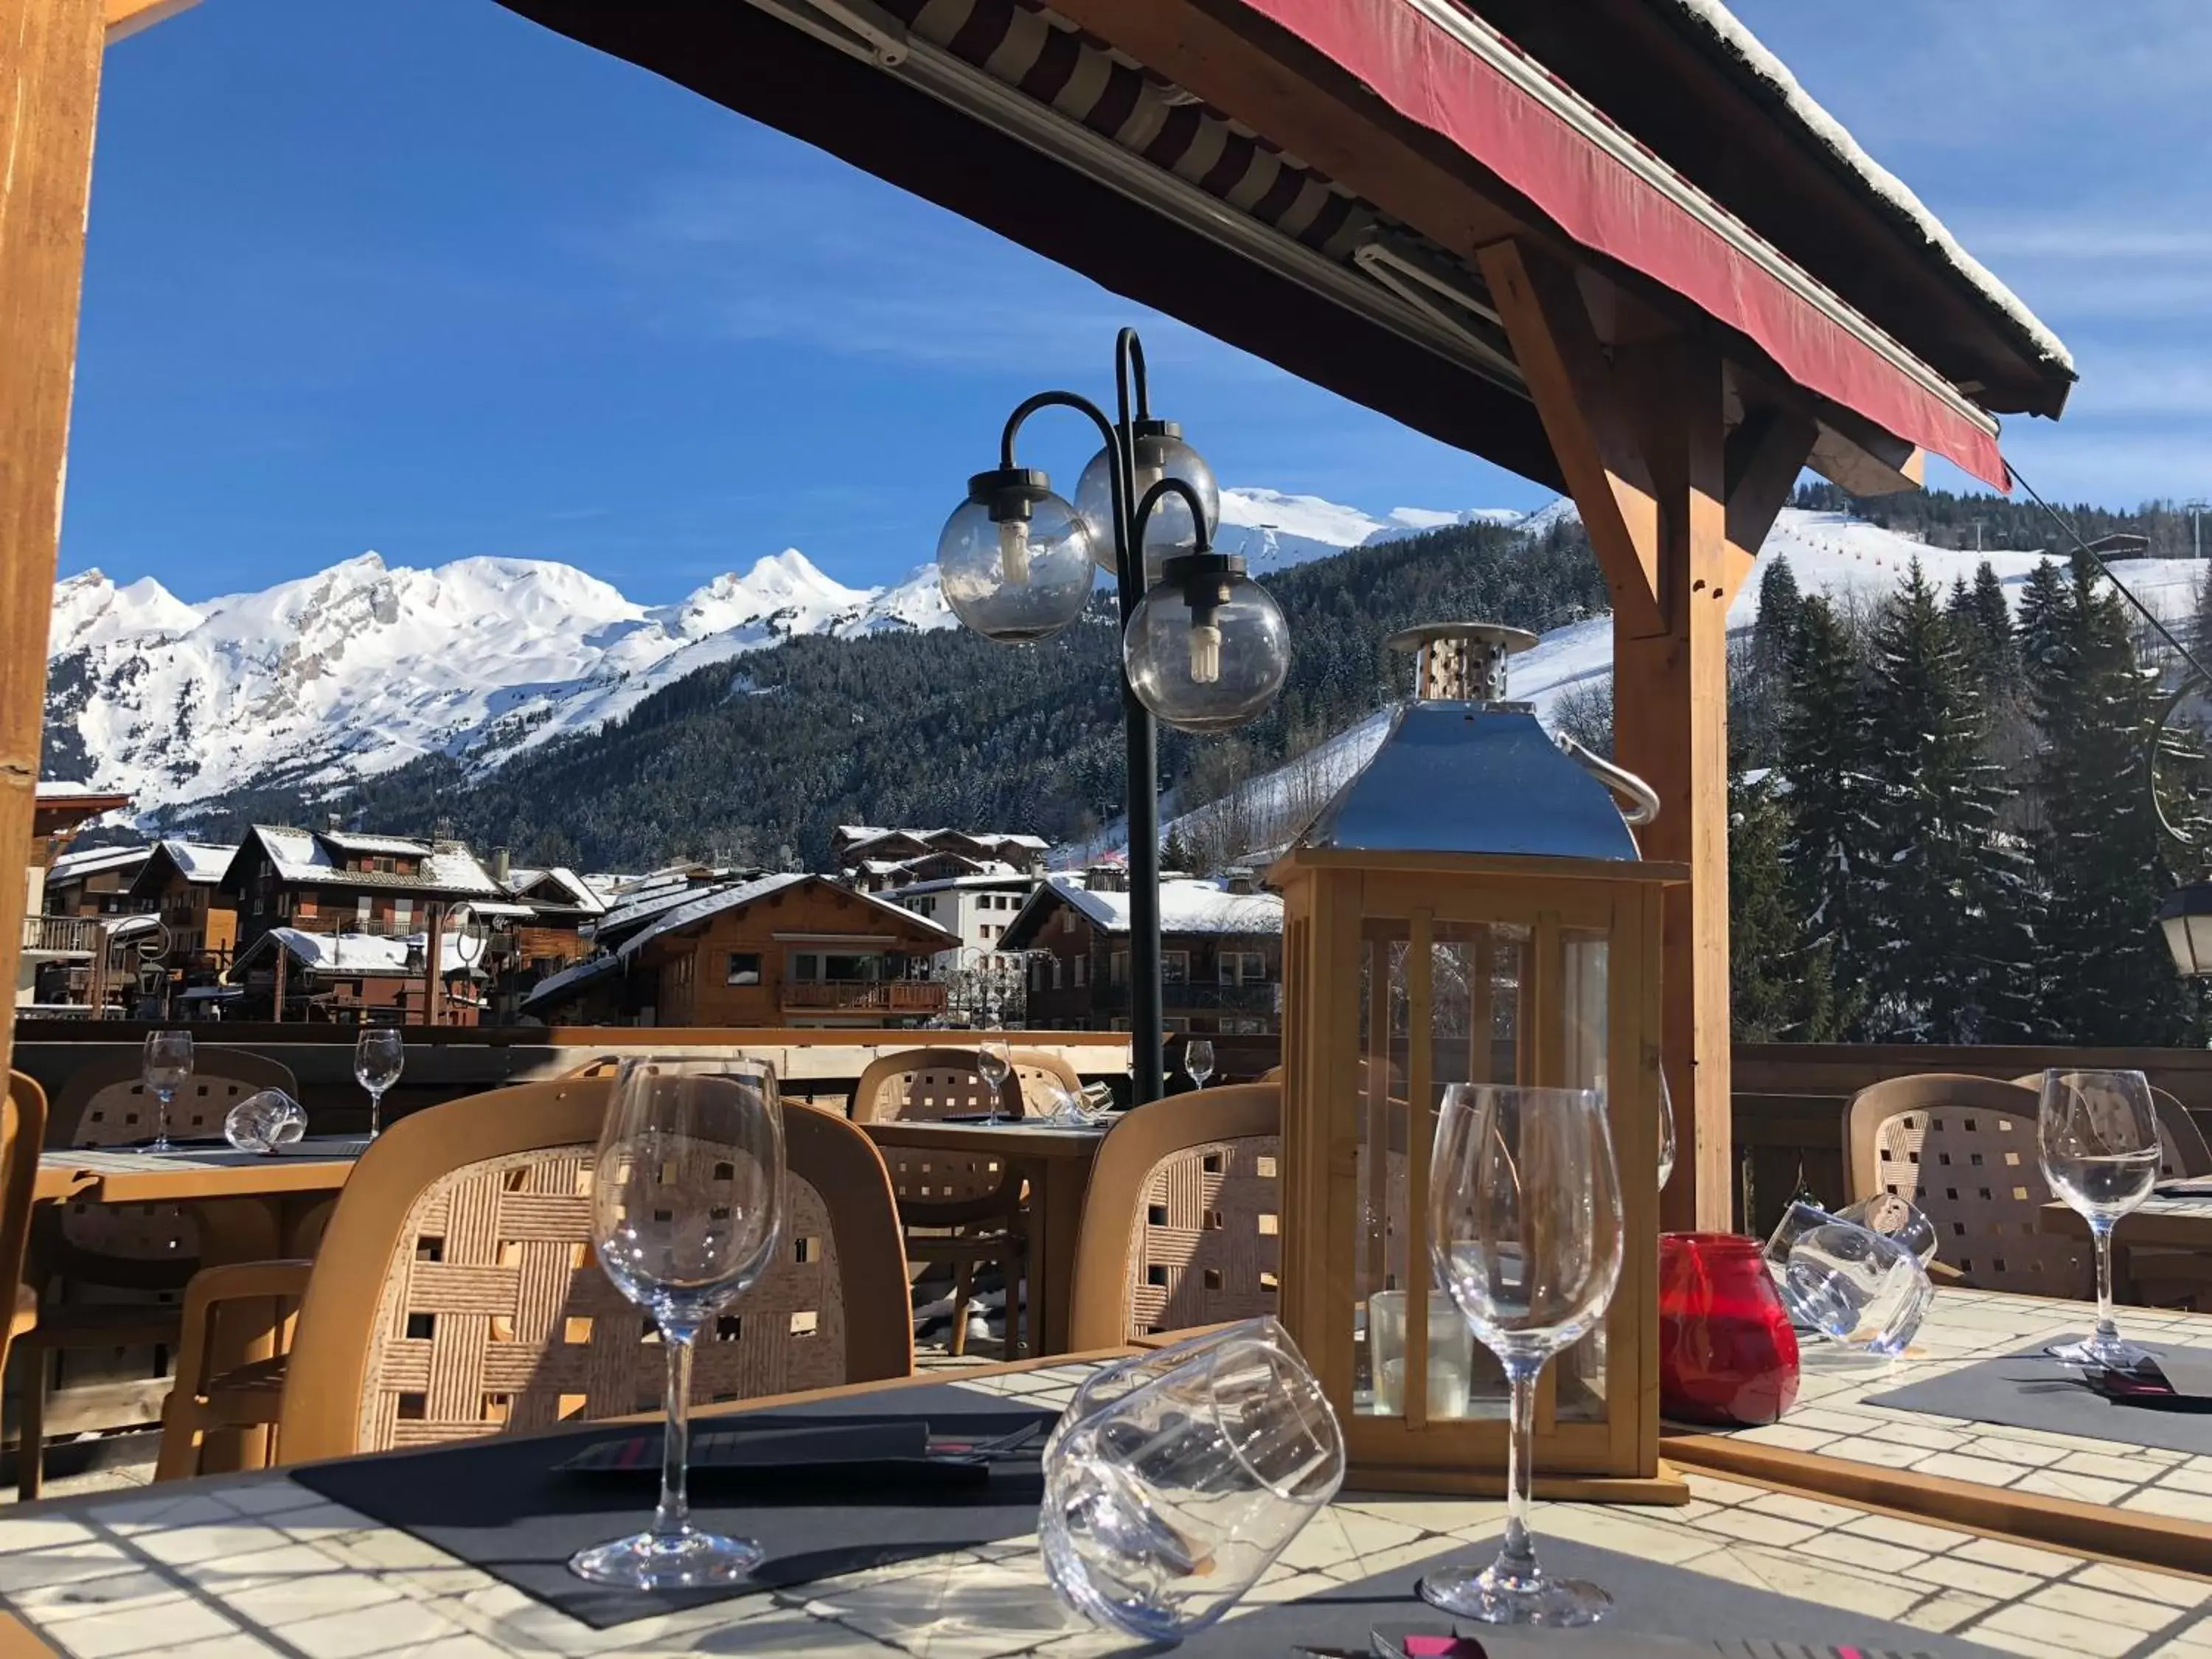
[1612, 247]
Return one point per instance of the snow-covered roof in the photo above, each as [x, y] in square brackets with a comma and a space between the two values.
[642, 904]
[1004, 877]
[305, 856]
[573, 978]
[60, 789]
[200, 861]
[1743, 51]
[574, 891]
[75, 866]
[372, 956]
[347, 841]
[1185, 907]
[717, 901]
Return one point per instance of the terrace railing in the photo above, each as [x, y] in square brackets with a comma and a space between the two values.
[68, 936]
[879, 996]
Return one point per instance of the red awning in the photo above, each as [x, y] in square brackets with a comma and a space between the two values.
[1429, 75]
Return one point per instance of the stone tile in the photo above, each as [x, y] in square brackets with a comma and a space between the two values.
[1947, 1611]
[1949, 1573]
[2167, 1500]
[2193, 1477]
[1924, 1434]
[396, 1628]
[1810, 1511]
[41, 1531]
[63, 1563]
[2170, 1588]
[157, 1630]
[2004, 1448]
[1752, 1526]
[1853, 1550]
[2080, 1488]
[2105, 1606]
[2017, 1557]
[1630, 1534]
[1912, 1534]
[1711, 1489]
[2104, 1467]
[1808, 1580]
[1983, 1471]
[1790, 1437]
[2046, 1631]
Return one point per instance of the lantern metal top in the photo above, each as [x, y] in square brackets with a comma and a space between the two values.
[1461, 661]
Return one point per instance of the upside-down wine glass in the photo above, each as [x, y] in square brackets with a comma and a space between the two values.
[379, 1054]
[1198, 1061]
[1525, 1232]
[686, 1208]
[2098, 1134]
[1666, 1133]
[165, 1067]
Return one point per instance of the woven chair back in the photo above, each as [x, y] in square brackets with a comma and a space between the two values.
[1963, 1149]
[23, 1136]
[457, 1294]
[937, 1187]
[105, 1104]
[1182, 1224]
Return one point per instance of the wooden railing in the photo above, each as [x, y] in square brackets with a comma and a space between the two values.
[61, 935]
[882, 996]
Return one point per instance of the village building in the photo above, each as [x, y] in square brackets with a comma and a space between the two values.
[766, 951]
[181, 883]
[94, 881]
[56, 970]
[292, 973]
[1221, 954]
[876, 858]
[335, 881]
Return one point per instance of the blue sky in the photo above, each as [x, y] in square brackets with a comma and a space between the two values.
[423, 277]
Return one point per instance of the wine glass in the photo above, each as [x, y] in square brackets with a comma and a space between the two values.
[2098, 1134]
[1198, 1061]
[165, 1067]
[1525, 1232]
[378, 1055]
[1666, 1133]
[995, 1063]
[686, 1208]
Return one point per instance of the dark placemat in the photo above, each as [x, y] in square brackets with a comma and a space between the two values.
[1650, 1599]
[504, 1506]
[2032, 1391]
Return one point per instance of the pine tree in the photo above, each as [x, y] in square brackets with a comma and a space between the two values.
[1984, 629]
[1934, 807]
[2100, 854]
[1780, 607]
[1778, 989]
[1825, 769]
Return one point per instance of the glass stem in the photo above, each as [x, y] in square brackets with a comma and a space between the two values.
[161, 1098]
[2102, 1232]
[1518, 1555]
[673, 1518]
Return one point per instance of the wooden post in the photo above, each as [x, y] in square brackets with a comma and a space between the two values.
[50, 53]
[1675, 507]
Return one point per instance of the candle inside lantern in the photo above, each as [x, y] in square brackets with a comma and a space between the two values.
[1451, 1354]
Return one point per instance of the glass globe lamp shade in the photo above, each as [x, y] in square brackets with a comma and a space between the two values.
[1160, 454]
[1014, 559]
[1207, 650]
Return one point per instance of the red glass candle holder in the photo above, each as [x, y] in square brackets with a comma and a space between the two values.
[1727, 1353]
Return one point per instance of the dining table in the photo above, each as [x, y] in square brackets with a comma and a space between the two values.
[2179, 1218]
[376, 1555]
[1055, 1160]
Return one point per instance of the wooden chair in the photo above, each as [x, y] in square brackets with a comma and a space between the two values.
[1181, 1225]
[456, 1293]
[958, 1209]
[23, 1135]
[1963, 1149]
[143, 1255]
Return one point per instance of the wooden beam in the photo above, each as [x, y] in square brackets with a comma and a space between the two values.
[126, 18]
[1765, 455]
[1670, 727]
[50, 52]
[1565, 367]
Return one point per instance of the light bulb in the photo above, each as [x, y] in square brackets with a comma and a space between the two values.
[1205, 652]
[1014, 550]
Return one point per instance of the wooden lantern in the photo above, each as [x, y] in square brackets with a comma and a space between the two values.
[1471, 907]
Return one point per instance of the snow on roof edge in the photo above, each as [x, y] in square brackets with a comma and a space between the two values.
[1891, 194]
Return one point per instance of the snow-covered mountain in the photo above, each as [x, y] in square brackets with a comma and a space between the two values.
[365, 667]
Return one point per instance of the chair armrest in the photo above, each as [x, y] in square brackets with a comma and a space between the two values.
[1944, 1273]
[210, 1288]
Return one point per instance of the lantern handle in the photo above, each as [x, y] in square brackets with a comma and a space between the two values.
[1644, 799]
[2190, 683]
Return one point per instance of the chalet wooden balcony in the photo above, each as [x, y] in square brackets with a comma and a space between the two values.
[881, 997]
[62, 936]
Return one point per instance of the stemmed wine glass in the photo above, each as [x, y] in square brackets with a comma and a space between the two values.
[995, 1063]
[687, 1210]
[165, 1067]
[379, 1054]
[1198, 1061]
[2098, 1134]
[1666, 1133]
[1525, 1232]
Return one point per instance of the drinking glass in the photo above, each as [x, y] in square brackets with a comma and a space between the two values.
[1165, 1505]
[2097, 1134]
[264, 1121]
[995, 1063]
[1894, 1218]
[165, 1067]
[1856, 1286]
[1666, 1133]
[1198, 1061]
[378, 1055]
[1108, 1383]
[1525, 1232]
[687, 1207]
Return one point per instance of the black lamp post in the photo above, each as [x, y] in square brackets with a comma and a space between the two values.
[1205, 651]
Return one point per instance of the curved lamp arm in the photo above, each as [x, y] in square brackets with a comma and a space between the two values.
[1118, 472]
[1643, 798]
[2190, 683]
[1171, 487]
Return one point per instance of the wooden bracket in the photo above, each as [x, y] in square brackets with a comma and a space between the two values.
[1560, 357]
[1765, 455]
[125, 18]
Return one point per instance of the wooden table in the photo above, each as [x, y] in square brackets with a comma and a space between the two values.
[2070, 1490]
[243, 1565]
[1057, 1165]
[247, 1206]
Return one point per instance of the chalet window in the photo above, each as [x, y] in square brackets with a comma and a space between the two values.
[1175, 967]
[402, 914]
[1081, 963]
[1055, 973]
[1036, 974]
[744, 968]
[364, 909]
[1067, 921]
[1117, 970]
[1244, 968]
